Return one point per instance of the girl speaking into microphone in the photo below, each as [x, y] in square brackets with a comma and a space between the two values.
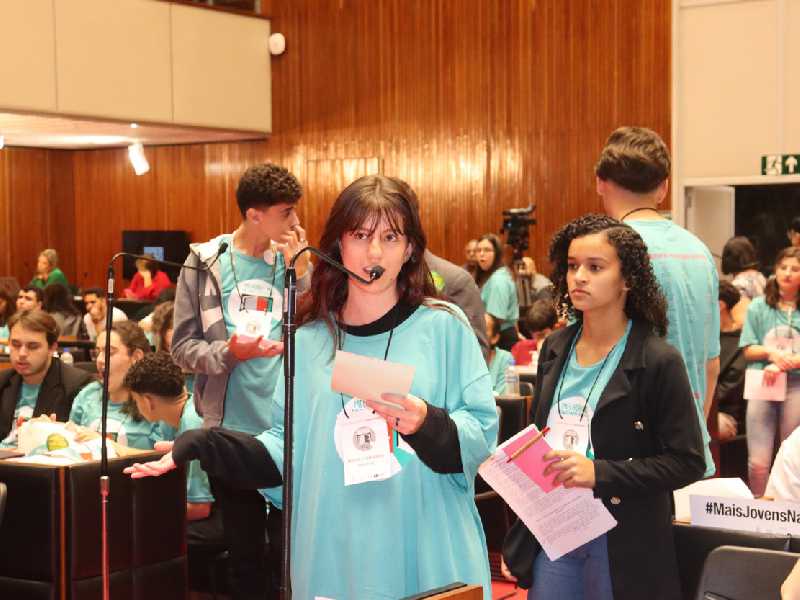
[622, 422]
[399, 519]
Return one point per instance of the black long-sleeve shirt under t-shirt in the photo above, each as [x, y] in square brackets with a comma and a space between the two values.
[243, 462]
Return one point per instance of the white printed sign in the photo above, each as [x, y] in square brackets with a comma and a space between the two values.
[760, 516]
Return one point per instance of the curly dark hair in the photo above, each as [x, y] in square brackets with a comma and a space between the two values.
[264, 185]
[645, 300]
[729, 294]
[155, 374]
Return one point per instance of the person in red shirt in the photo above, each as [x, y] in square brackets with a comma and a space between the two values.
[148, 282]
[540, 320]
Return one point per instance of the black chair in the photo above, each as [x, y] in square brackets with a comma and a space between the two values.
[736, 573]
[693, 544]
[513, 417]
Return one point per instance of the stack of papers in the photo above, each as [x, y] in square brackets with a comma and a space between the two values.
[561, 519]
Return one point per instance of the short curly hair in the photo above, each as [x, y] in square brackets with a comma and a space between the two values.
[264, 185]
[156, 374]
[645, 300]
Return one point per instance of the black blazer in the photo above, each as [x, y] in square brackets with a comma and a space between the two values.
[60, 386]
[646, 439]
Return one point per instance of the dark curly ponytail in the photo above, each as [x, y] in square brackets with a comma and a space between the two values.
[645, 300]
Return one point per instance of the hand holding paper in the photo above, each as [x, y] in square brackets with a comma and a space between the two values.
[571, 468]
[760, 386]
[405, 414]
[561, 519]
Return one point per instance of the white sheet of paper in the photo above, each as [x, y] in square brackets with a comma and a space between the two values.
[724, 487]
[561, 520]
[754, 389]
[367, 378]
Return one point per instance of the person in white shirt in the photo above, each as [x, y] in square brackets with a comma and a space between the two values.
[784, 478]
[95, 318]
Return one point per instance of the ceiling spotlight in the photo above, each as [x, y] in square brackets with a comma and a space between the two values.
[134, 126]
[138, 159]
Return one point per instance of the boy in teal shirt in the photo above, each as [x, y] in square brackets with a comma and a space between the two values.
[156, 384]
[632, 177]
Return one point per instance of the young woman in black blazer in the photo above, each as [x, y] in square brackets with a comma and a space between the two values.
[622, 418]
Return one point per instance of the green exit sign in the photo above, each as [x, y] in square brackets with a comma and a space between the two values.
[780, 164]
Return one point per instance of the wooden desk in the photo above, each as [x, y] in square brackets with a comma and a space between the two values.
[52, 523]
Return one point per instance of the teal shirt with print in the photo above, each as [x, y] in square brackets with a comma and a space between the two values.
[499, 295]
[686, 272]
[28, 394]
[252, 382]
[501, 360]
[87, 409]
[416, 529]
[770, 327]
[580, 386]
[198, 489]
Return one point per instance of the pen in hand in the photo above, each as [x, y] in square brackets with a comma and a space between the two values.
[528, 444]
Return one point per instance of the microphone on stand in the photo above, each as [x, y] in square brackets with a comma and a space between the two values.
[105, 485]
[374, 272]
[289, 327]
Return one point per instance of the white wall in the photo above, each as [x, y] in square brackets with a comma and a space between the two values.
[135, 60]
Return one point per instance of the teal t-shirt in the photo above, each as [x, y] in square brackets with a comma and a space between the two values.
[497, 369]
[251, 383]
[688, 277]
[416, 529]
[28, 394]
[55, 276]
[499, 295]
[198, 489]
[4, 332]
[87, 409]
[579, 388]
[770, 327]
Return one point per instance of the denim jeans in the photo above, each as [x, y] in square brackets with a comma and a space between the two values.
[582, 574]
[764, 420]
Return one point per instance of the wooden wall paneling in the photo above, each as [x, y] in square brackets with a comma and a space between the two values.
[480, 106]
[6, 236]
[61, 224]
[28, 209]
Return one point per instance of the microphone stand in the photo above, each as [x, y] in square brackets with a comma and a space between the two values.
[289, 330]
[105, 482]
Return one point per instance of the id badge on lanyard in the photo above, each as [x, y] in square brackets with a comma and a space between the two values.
[571, 429]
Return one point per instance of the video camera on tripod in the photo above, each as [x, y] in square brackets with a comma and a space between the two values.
[516, 223]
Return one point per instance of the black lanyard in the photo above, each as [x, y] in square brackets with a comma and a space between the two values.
[594, 383]
[340, 336]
